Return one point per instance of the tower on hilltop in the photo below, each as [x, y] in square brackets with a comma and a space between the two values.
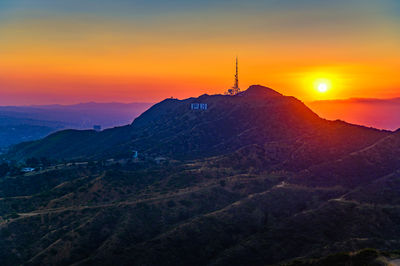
[235, 89]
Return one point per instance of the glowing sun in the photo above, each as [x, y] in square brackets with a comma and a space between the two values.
[322, 87]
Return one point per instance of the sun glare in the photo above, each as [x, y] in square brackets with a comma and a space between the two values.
[322, 87]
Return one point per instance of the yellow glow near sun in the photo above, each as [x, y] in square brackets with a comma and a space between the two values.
[321, 85]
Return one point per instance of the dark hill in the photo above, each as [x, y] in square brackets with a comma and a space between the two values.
[258, 116]
[376, 161]
[268, 182]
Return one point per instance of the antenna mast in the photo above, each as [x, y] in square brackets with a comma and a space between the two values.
[235, 89]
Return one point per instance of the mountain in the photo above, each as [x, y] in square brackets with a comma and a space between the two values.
[258, 117]
[26, 123]
[378, 113]
[253, 179]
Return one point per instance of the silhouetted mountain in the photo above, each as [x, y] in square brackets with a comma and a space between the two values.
[253, 179]
[258, 116]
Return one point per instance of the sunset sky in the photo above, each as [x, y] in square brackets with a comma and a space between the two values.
[96, 50]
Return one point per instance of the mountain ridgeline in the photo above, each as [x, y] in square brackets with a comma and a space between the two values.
[256, 118]
[251, 179]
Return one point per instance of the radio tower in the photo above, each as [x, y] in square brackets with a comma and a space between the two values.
[235, 89]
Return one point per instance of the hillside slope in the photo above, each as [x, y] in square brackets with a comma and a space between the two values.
[256, 179]
[198, 213]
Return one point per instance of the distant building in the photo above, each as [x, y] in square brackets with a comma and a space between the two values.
[198, 106]
[27, 169]
[97, 127]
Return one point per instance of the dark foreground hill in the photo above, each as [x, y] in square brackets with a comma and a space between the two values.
[255, 179]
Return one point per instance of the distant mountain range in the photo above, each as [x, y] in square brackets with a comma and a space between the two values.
[24, 123]
[378, 113]
[252, 179]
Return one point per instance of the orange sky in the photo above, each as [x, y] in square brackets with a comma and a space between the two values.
[74, 52]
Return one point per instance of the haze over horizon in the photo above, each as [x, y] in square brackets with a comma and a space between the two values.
[370, 112]
[135, 51]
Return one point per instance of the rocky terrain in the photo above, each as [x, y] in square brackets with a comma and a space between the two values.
[256, 179]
